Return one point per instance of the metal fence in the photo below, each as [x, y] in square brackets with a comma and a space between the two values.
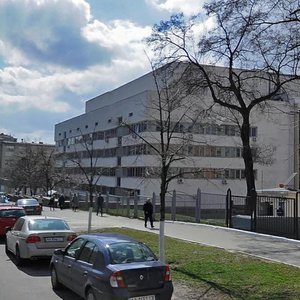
[273, 215]
[204, 207]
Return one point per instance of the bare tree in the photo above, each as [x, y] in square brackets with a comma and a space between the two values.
[32, 168]
[51, 177]
[171, 111]
[83, 157]
[255, 56]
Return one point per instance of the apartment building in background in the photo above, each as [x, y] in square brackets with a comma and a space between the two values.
[12, 149]
[121, 125]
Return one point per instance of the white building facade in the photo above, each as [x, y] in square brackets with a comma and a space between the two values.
[121, 126]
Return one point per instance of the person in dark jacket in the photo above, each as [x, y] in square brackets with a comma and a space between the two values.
[100, 201]
[52, 202]
[148, 212]
[61, 201]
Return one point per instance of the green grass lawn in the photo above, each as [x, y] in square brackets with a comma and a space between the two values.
[237, 275]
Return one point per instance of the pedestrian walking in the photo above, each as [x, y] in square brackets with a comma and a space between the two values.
[61, 201]
[41, 201]
[148, 212]
[51, 203]
[75, 202]
[100, 201]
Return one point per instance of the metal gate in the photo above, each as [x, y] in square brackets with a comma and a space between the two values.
[274, 215]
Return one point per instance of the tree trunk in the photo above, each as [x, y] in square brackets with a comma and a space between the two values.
[90, 210]
[249, 170]
[162, 217]
[162, 240]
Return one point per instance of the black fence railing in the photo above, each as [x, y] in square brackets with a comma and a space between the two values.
[274, 215]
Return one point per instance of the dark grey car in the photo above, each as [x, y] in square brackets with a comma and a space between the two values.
[111, 267]
[30, 205]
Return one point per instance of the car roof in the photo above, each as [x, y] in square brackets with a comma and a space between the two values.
[8, 206]
[107, 238]
[35, 217]
[23, 199]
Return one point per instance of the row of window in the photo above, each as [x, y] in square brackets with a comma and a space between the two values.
[144, 149]
[151, 126]
[154, 172]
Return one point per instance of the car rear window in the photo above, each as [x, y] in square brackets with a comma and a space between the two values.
[12, 213]
[127, 252]
[48, 224]
[28, 202]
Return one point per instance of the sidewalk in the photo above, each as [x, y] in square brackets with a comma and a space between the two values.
[264, 246]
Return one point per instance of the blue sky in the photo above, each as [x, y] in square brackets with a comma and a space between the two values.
[57, 54]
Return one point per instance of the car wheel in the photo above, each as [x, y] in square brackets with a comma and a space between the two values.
[90, 295]
[19, 260]
[56, 285]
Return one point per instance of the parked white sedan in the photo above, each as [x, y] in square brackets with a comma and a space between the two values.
[34, 237]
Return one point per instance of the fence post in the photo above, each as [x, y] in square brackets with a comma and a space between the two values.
[173, 208]
[198, 206]
[154, 205]
[296, 216]
[128, 207]
[87, 203]
[106, 202]
[135, 210]
[253, 209]
[228, 208]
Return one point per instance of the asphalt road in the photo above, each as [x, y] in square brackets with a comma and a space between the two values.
[29, 282]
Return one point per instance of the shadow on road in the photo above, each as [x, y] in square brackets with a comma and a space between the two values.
[34, 268]
[67, 294]
[40, 268]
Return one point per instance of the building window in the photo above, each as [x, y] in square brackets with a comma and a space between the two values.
[253, 131]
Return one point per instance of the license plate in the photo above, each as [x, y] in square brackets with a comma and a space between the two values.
[150, 297]
[29, 209]
[54, 239]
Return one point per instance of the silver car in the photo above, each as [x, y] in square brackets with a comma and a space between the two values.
[34, 237]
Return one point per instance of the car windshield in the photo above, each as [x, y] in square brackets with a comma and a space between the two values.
[27, 202]
[48, 224]
[127, 252]
[12, 213]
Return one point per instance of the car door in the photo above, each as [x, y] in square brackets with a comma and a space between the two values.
[81, 268]
[13, 235]
[65, 266]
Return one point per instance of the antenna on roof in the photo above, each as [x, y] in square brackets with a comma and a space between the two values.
[289, 179]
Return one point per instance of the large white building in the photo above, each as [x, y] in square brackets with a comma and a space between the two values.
[119, 125]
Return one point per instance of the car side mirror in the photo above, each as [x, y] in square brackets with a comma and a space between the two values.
[59, 252]
[7, 229]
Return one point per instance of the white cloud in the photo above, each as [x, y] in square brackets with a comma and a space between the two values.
[118, 33]
[26, 89]
[188, 7]
[46, 31]
[42, 45]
